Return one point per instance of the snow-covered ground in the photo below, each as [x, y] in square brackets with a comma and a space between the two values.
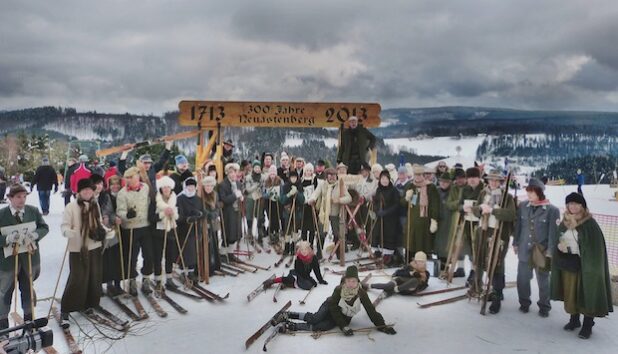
[294, 141]
[442, 146]
[224, 327]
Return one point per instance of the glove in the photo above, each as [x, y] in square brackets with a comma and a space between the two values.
[292, 191]
[486, 209]
[388, 330]
[33, 236]
[195, 217]
[433, 227]
[323, 282]
[13, 238]
[131, 213]
[347, 331]
[409, 194]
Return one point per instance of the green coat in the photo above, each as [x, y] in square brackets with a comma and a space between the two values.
[594, 297]
[417, 236]
[467, 192]
[444, 224]
[342, 320]
[507, 216]
[365, 139]
[7, 219]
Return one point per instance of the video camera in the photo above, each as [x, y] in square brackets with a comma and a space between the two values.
[33, 337]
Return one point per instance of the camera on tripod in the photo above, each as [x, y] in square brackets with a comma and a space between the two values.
[33, 337]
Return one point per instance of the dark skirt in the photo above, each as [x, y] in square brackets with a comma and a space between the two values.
[83, 288]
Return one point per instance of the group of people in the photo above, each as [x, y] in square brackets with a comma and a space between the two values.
[400, 216]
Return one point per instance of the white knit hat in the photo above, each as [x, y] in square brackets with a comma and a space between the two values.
[308, 167]
[284, 155]
[165, 181]
[376, 168]
[209, 181]
[231, 166]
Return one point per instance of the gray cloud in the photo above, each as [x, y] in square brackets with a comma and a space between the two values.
[146, 56]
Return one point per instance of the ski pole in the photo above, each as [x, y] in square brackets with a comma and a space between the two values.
[66, 250]
[16, 255]
[182, 259]
[119, 234]
[31, 281]
[302, 302]
[127, 281]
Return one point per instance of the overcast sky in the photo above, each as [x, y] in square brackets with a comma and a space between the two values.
[145, 56]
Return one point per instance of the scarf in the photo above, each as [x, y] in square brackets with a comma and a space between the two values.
[134, 189]
[256, 177]
[424, 200]
[169, 222]
[493, 196]
[210, 200]
[348, 294]
[538, 203]
[572, 221]
[306, 259]
[90, 217]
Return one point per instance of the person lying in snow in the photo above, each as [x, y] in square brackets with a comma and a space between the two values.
[337, 310]
[300, 276]
[409, 279]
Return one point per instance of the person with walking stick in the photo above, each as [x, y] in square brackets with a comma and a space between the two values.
[83, 227]
[14, 267]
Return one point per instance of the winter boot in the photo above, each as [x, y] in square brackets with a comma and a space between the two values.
[407, 287]
[544, 313]
[64, 317]
[268, 283]
[290, 326]
[574, 322]
[147, 286]
[459, 273]
[133, 287]
[586, 330]
[194, 276]
[471, 280]
[281, 317]
[169, 282]
[494, 308]
[388, 287]
[496, 302]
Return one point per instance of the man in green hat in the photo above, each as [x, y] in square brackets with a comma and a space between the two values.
[18, 213]
[492, 211]
[337, 310]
